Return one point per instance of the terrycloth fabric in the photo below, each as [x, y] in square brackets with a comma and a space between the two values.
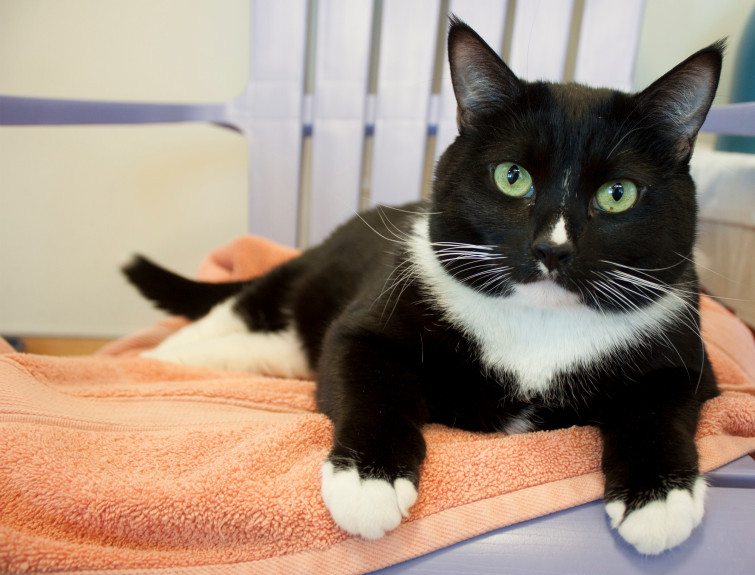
[128, 464]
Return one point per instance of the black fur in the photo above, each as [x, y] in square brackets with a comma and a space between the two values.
[173, 293]
[389, 360]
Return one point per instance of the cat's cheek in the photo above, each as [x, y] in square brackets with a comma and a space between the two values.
[366, 507]
[661, 524]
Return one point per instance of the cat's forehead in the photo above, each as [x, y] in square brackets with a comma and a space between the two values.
[560, 126]
[578, 103]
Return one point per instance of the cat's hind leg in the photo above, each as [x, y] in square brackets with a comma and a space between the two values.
[219, 322]
[222, 340]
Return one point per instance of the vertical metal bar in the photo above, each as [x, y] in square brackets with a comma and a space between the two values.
[305, 165]
[508, 31]
[368, 146]
[434, 107]
[572, 47]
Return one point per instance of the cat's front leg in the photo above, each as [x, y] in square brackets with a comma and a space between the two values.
[656, 521]
[368, 492]
[654, 493]
[370, 479]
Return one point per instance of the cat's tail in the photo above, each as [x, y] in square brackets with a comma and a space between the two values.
[175, 294]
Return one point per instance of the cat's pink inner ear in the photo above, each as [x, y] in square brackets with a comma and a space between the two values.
[482, 82]
[682, 97]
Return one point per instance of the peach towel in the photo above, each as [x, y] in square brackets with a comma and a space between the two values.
[114, 462]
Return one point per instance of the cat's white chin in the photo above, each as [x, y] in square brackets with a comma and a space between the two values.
[544, 293]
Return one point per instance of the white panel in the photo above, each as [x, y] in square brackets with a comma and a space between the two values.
[274, 151]
[540, 38]
[270, 112]
[487, 19]
[407, 51]
[607, 50]
[343, 42]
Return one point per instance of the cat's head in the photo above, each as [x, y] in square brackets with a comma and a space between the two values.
[563, 194]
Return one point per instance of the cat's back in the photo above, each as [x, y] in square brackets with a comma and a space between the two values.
[365, 243]
[352, 266]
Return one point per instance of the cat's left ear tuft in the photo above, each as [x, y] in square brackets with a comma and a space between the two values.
[482, 82]
[682, 97]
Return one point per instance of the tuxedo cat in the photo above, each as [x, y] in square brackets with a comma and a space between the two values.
[548, 282]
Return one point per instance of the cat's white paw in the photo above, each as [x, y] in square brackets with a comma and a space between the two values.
[660, 524]
[366, 507]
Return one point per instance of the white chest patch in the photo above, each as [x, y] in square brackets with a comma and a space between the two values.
[545, 294]
[540, 330]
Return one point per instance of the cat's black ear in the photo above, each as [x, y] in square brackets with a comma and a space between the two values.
[681, 98]
[482, 82]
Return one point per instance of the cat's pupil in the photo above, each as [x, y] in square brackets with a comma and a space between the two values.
[513, 175]
[617, 191]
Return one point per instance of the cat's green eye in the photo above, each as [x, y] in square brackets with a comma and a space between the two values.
[616, 196]
[513, 180]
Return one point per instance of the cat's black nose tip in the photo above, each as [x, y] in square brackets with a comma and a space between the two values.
[553, 256]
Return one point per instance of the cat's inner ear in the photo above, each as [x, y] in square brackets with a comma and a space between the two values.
[482, 82]
[682, 97]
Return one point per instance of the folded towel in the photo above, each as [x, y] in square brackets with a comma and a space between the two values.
[129, 464]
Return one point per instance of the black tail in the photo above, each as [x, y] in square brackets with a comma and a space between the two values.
[175, 294]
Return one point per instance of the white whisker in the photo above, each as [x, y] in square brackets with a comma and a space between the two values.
[649, 290]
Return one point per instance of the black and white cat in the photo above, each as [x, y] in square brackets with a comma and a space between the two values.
[547, 283]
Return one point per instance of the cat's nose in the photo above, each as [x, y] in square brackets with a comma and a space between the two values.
[553, 255]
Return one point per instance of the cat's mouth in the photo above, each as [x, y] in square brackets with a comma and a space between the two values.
[544, 293]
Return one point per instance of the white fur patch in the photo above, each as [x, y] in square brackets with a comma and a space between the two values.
[220, 321]
[558, 233]
[615, 511]
[221, 340]
[539, 331]
[544, 294]
[521, 423]
[366, 507]
[662, 524]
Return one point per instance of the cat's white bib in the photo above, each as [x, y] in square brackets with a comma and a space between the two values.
[540, 330]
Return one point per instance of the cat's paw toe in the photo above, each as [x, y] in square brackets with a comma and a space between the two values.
[615, 511]
[366, 507]
[660, 524]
